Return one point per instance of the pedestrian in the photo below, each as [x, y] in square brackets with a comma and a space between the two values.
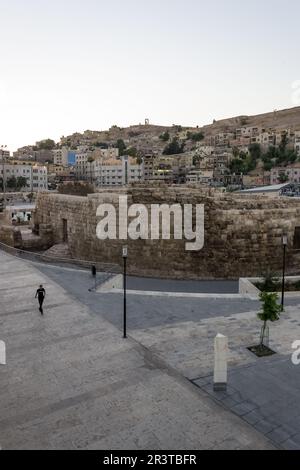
[41, 294]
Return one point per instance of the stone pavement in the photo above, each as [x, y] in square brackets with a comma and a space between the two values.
[72, 382]
[181, 332]
[265, 395]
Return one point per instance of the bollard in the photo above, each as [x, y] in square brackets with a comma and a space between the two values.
[2, 353]
[220, 371]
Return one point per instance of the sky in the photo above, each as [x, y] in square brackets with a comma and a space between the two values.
[72, 65]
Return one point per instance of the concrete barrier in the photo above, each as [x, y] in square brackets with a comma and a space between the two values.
[220, 369]
[2, 353]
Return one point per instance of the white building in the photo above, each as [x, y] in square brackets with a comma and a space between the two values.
[60, 156]
[36, 175]
[83, 164]
[117, 172]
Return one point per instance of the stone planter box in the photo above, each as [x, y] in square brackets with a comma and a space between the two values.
[249, 290]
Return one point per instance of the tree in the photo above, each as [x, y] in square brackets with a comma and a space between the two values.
[237, 166]
[121, 146]
[46, 144]
[174, 147]
[165, 136]
[11, 183]
[270, 312]
[283, 143]
[131, 151]
[195, 136]
[21, 183]
[90, 161]
[102, 145]
[255, 151]
[283, 178]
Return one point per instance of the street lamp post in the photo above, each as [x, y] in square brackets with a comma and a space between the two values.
[284, 244]
[3, 147]
[124, 253]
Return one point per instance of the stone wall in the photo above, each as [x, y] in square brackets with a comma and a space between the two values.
[242, 234]
[10, 236]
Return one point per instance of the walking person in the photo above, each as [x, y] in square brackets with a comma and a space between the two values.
[41, 294]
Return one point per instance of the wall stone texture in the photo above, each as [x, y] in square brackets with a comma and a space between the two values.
[243, 234]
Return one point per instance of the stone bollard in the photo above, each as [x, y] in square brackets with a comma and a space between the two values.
[220, 370]
[2, 353]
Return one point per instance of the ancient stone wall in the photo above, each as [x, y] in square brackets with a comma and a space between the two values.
[10, 236]
[242, 234]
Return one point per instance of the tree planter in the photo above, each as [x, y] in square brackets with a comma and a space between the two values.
[261, 351]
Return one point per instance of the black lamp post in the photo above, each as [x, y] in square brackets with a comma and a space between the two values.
[124, 254]
[284, 244]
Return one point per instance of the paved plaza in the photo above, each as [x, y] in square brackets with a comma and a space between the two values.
[72, 382]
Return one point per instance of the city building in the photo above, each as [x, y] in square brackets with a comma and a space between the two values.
[64, 157]
[297, 142]
[168, 168]
[36, 175]
[198, 176]
[115, 172]
[289, 174]
[106, 154]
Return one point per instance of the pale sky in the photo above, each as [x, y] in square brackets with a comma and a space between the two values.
[71, 65]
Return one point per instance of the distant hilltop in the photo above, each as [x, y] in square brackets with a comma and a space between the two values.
[277, 119]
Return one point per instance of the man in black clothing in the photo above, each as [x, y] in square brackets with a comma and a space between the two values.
[40, 294]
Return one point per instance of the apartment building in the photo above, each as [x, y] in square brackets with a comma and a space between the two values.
[197, 176]
[169, 168]
[297, 142]
[247, 132]
[36, 175]
[106, 154]
[116, 172]
[30, 153]
[222, 139]
[288, 174]
[4, 154]
[64, 157]
[83, 162]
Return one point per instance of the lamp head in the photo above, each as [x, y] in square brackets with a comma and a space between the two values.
[284, 239]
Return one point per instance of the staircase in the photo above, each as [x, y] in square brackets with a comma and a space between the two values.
[59, 251]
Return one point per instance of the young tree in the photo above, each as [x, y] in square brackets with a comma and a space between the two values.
[121, 146]
[21, 183]
[11, 182]
[255, 151]
[283, 178]
[90, 161]
[165, 136]
[270, 312]
[174, 147]
[196, 136]
[132, 152]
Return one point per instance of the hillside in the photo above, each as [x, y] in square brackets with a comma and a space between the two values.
[282, 119]
[147, 137]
